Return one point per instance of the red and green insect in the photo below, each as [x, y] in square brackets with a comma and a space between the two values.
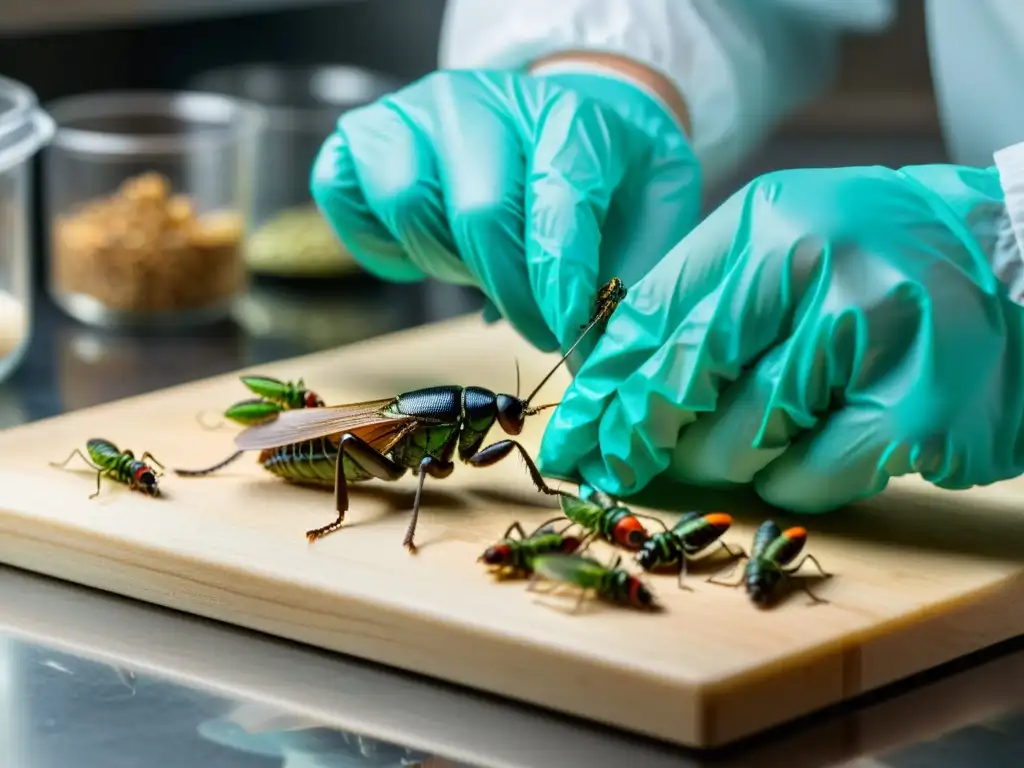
[672, 548]
[274, 396]
[513, 557]
[766, 570]
[120, 466]
[598, 513]
[609, 583]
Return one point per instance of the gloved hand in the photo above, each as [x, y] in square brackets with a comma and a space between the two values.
[536, 189]
[821, 332]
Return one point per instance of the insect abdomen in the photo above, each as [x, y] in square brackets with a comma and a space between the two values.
[787, 546]
[309, 462]
[761, 577]
[103, 452]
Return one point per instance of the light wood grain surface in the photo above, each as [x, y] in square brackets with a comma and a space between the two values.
[921, 576]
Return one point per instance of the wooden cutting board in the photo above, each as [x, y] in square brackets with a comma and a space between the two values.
[921, 576]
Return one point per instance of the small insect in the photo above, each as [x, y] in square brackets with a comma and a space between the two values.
[672, 548]
[598, 513]
[120, 466]
[608, 582]
[608, 298]
[274, 396]
[773, 549]
[289, 395]
[513, 557]
[418, 431]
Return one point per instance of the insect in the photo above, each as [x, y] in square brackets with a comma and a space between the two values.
[673, 547]
[120, 466]
[608, 298]
[599, 513]
[274, 396]
[419, 431]
[513, 557]
[772, 551]
[608, 582]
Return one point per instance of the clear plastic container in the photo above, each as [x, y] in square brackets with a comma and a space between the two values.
[149, 199]
[302, 105]
[24, 130]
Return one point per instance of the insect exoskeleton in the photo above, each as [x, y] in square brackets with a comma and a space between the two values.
[421, 431]
[773, 549]
[120, 466]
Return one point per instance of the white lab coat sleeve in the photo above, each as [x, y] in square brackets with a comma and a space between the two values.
[1008, 257]
[740, 65]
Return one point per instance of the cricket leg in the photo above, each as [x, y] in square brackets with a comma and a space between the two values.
[495, 452]
[682, 573]
[579, 601]
[803, 583]
[78, 452]
[658, 520]
[436, 468]
[546, 523]
[366, 459]
[738, 552]
[518, 528]
[713, 580]
[817, 565]
[586, 541]
[152, 459]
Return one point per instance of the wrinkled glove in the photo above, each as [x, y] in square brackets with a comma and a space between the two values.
[536, 189]
[821, 332]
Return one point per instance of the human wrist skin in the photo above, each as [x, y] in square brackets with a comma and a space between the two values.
[641, 75]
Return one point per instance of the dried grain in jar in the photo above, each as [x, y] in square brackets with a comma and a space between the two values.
[145, 249]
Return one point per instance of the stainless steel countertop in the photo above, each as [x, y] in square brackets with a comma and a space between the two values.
[90, 679]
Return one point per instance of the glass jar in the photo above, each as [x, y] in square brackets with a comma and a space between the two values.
[149, 199]
[302, 105]
[24, 130]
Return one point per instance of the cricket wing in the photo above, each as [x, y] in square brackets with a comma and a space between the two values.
[567, 568]
[308, 423]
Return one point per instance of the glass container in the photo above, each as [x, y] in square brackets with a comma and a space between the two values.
[149, 200]
[290, 238]
[24, 130]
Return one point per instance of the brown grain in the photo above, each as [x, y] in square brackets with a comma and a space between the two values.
[145, 249]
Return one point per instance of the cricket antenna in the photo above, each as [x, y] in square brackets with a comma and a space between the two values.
[565, 357]
[516, 360]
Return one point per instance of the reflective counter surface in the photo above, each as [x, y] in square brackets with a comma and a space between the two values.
[91, 679]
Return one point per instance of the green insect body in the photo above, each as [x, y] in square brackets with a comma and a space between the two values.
[287, 394]
[274, 396]
[599, 513]
[514, 556]
[673, 548]
[120, 466]
[772, 551]
[609, 583]
[254, 411]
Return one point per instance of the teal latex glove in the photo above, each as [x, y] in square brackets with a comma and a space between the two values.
[536, 189]
[821, 332]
